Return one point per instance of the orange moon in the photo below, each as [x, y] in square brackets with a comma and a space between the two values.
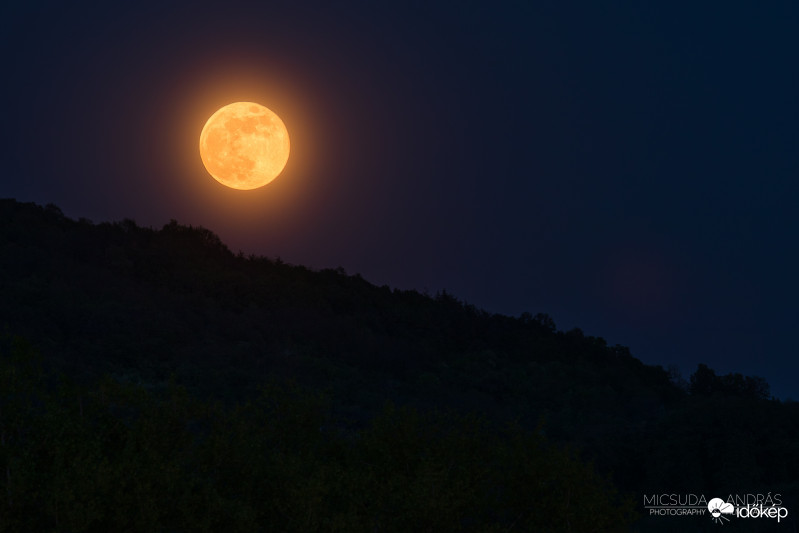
[244, 145]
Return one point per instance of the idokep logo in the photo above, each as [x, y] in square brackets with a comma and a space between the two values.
[718, 508]
[744, 506]
[747, 506]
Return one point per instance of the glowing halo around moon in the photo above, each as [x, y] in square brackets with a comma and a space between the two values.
[244, 145]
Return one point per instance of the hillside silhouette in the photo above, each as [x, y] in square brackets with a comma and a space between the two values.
[159, 346]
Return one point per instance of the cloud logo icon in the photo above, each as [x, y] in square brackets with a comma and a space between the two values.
[718, 508]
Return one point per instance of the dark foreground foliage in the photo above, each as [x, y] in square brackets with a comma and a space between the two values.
[115, 457]
[116, 303]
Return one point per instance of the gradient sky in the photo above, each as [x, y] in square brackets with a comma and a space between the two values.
[629, 168]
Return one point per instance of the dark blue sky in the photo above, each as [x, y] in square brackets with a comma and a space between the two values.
[628, 168]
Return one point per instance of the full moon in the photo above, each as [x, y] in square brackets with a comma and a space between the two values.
[244, 145]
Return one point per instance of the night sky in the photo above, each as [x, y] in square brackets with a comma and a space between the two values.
[627, 168]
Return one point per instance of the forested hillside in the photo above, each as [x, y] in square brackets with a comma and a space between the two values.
[247, 387]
